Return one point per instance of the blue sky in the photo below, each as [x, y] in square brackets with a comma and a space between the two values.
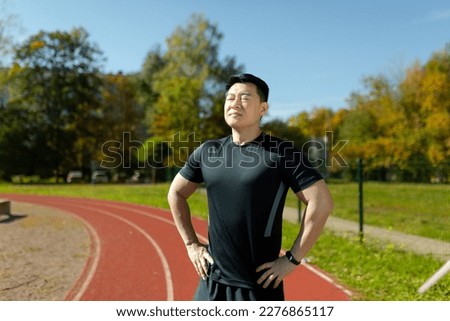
[311, 53]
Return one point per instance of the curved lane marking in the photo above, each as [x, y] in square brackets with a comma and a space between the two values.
[326, 278]
[167, 273]
[159, 250]
[205, 240]
[91, 268]
[165, 220]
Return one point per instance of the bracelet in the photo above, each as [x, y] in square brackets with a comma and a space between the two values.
[291, 258]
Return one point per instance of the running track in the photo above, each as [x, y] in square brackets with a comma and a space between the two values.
[137, 254]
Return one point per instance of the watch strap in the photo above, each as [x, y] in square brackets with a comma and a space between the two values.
[291, 258]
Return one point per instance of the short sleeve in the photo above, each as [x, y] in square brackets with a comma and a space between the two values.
[192, 169]
[298, 173]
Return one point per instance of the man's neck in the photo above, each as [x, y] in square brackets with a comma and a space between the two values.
[241, 137]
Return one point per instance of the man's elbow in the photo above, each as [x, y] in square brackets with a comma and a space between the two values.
[169, 197]
[328, 207]
[175, 195]
[172, 195]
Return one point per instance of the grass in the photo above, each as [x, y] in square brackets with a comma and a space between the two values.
[419, 209]
[373, 270]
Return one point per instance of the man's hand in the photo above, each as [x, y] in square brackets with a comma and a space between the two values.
[275, 272]
[200, 258]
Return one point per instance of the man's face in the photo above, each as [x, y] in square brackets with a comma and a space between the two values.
[243, 107]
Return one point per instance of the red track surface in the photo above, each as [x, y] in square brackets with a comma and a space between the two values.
[137, 254]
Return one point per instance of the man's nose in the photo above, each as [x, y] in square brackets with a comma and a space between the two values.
[236, 103]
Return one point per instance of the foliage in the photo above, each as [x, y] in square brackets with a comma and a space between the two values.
[62, 110]
[8, 27]
[400, 129]
[187, 86]
[121, 123]
[283, 130]
[57, 105]
[53, 88]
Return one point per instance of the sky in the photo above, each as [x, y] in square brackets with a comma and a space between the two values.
[311, 53]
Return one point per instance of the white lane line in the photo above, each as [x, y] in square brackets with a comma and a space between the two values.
[205, 240]
[91, 265]
[326, 278]
[92, 268]
[202, 238]
[166, 268]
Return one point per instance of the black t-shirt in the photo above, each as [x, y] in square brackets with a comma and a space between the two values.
[246, 187]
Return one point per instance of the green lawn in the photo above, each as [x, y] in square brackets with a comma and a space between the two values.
[374, 271]
[420, 209]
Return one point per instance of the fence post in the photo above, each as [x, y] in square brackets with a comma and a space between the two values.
[361, 199]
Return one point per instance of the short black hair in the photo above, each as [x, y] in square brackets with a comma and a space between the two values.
[261, 86]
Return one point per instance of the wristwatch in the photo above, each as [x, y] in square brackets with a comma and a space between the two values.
[292, 258]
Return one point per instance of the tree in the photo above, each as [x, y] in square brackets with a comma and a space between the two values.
[315, 123]
[8, 26]
[55, 79]
[187, 87]
[401, 129]
[122, 122]
[426, 105]
[281, 129]
[20, 137]
[147, 93]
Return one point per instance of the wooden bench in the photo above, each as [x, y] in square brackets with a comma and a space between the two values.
[5, 207]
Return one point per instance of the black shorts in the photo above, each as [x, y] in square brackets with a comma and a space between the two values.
[210, 290]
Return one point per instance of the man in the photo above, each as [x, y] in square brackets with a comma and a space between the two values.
[247, 176]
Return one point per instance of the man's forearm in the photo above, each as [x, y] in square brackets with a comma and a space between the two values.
[182, 216]
[312, 225]
[319, 206]
[177, 198]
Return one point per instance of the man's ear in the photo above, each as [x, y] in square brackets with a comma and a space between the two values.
[264, 108]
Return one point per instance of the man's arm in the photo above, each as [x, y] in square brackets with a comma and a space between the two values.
[319, 205]
[179, 192]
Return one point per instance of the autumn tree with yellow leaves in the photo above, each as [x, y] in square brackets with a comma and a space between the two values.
[400, 130]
